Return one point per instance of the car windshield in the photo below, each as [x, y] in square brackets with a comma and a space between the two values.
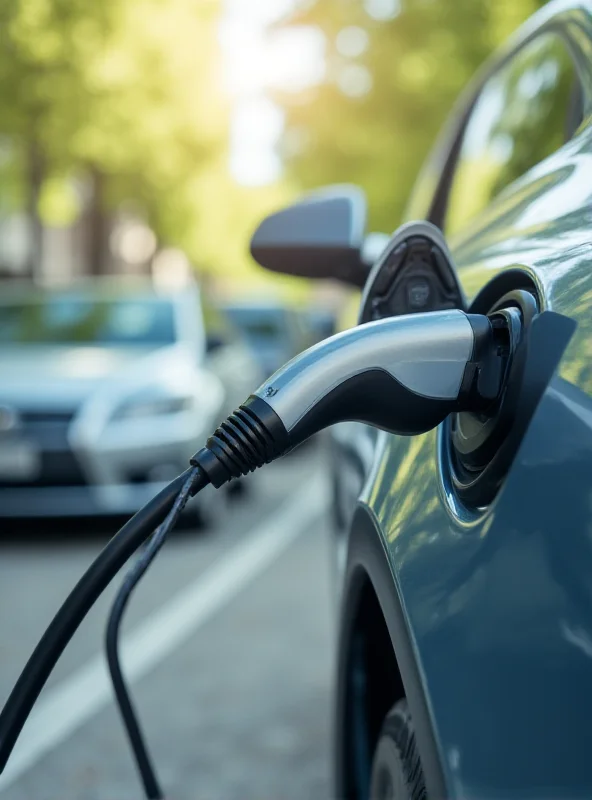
[60, 319]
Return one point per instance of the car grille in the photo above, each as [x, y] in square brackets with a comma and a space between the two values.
[48, 431]
[45, 418]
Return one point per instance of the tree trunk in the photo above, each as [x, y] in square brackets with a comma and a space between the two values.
[35, 170]
[98, 228]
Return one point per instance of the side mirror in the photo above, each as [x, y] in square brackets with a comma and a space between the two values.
[321, 236]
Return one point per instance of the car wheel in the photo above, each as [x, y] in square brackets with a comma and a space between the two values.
[205, 512]
[210, 508]
[236, 489]
[396, 768]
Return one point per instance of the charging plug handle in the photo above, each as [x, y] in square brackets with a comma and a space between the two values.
[403, 375]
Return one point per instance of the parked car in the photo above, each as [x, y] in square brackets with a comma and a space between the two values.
[465, 642]
[322, 323]
[275, 332]
[105, 393]
[229, 355]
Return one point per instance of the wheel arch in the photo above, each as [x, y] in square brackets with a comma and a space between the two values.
[375, 646]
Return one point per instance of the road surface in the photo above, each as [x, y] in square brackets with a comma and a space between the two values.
[229, 642]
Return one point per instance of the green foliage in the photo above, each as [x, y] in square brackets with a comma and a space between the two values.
[418, 61]
[130, 90]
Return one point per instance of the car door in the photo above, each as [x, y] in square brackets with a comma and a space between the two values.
[494, 596]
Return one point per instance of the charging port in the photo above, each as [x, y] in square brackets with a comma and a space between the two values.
[479, 446]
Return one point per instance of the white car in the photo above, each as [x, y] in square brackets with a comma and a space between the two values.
[105, 394]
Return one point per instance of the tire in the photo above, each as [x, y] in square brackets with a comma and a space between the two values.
[204, 513]
[210, 509]
[396, 768]
[237, 489]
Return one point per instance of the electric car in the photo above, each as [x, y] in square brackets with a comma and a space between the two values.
[464, 663]
[104, 389]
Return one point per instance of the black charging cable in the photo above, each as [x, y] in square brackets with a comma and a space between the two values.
[129, 715]
[77, 605]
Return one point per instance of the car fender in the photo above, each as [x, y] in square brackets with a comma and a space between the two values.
[368, 561]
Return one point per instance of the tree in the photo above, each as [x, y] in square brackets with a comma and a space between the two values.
[125, 97]
[42, 98]
[375, 117]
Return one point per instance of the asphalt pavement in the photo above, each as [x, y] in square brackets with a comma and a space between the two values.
[228, 642]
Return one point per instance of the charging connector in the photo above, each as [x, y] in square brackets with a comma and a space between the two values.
[403, 375]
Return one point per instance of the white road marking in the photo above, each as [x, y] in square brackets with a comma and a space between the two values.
[72, 702]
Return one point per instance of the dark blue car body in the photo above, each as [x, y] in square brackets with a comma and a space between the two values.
[481, 616]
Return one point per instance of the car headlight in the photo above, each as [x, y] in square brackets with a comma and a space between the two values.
[141, 408]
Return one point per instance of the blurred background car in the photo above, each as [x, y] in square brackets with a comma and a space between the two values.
[229, 355]
[322, 322]
[106, 392]
[275, 332]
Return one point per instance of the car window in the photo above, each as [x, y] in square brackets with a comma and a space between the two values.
[260, 324]
[69, 319]
[524, 112]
